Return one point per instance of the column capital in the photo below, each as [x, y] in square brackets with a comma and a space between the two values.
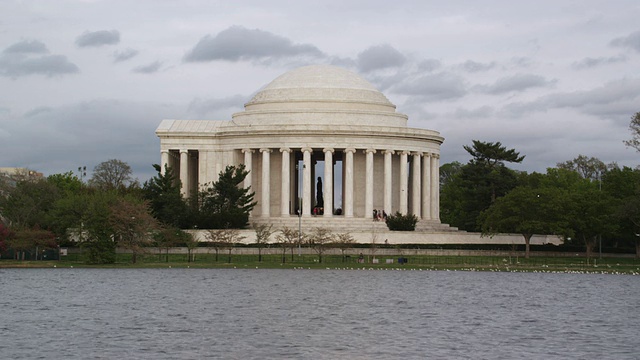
[350, 150]
[370, 150]
[389, 151]
[306, 149]
[247, 150]
[417, 153]
[404, 152]
[265, 150]
[326, 150]
[184, 151]
[285, 149]
[435, 156]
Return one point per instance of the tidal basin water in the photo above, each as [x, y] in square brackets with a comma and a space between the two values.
[316, 314]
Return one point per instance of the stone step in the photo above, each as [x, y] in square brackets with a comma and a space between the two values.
[341, 224]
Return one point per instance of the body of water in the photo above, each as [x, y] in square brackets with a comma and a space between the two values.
[315, 314]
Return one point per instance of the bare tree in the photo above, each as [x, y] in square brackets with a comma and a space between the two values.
[224, 239]
[319, 239]
[288, 238]
[344, 241]
[634, 127]
[263, 234]
[111, 174]
[132, 225]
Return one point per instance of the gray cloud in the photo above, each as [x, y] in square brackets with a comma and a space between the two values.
[36, 111]
[481, 112]
[473, 66]
[124, 55]
[19, 60]
[616, 99]
[631, 41]
[380, 57]
[440, 86]
[84, 134]
[238, 43]
[218, 107]
[429, 65]
[593, 62]
[98, 38]
[515, 83]
[148, 69]
[27, 47]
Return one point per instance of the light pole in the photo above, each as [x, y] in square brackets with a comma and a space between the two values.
[300, 228]
[83, 172]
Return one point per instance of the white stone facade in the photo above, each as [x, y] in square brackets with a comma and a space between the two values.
[314, 114]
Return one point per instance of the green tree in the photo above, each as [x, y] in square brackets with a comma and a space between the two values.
[27, 204]
[226, 204]
[165, 200]
[478, 184]
[591, 211]
[66, 183]
[400, 222]
[112, 174]
[527, 211]
[5, 235]
[623, 184]
[588, 168]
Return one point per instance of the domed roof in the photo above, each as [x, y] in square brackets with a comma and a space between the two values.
[319, 83]
[320, 95]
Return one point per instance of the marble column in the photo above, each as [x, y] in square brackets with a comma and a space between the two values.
[415, 185]
[286, 181]
[348, 182]
[164, 161]
[306, 181]
[328, 182]
[368, 202]
[248, 154]
[388, 172]
[426, 186]
[184, 172]
[404, 183]
[436, 198]
[435, 181]
[266, 182]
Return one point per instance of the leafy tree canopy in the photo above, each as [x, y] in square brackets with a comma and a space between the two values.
[165, 199]
[492, 154]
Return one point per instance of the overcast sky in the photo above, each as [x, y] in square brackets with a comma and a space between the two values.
[85, 81]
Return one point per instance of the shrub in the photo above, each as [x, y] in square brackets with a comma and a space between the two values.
[399, 222]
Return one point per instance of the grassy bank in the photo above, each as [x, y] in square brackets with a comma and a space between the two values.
[417, 262]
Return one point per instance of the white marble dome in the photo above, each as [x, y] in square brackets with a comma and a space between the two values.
[308, 94]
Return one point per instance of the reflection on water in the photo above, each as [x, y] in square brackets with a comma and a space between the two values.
[315, 314]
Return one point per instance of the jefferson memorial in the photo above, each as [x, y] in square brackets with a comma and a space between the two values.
[319, 141]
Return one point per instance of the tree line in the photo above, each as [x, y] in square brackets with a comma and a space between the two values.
[112, 210]
[584, 201]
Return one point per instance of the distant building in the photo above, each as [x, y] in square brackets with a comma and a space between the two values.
[15, 174]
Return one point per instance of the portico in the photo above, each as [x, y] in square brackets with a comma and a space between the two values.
[320, 140]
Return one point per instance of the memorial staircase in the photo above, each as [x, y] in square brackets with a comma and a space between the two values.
[339, 224]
